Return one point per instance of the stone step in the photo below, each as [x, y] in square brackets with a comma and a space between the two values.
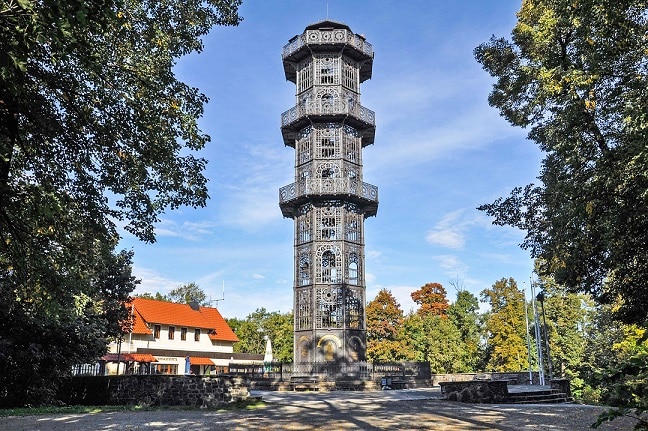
[552, 396]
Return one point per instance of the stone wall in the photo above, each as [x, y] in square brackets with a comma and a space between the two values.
[514, 378]
[492, 391]
[153, 390]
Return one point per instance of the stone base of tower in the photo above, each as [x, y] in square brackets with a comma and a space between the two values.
[330, 345]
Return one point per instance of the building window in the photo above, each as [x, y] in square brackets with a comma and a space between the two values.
[166, 369]
[171, 332]
[197, 334]
[183, 334]
[156, 331]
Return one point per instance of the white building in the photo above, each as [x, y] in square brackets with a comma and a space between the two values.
[171, 338]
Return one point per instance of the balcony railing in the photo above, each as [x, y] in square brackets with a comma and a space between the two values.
[328, 186]
[334, 36]
[321, 107]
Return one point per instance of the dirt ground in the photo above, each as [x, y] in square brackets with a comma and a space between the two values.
[394, 410]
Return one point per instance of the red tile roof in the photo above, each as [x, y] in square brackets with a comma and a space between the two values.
[149, 311]
[197, 360]
[129, 357]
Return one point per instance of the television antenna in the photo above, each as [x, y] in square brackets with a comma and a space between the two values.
[222, 298]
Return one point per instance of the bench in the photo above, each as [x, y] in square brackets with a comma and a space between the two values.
[304, 383]
[393, 382]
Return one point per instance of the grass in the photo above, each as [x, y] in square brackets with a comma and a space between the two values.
[249, 404]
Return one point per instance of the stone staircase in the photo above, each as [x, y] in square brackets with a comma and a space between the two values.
[538, 396]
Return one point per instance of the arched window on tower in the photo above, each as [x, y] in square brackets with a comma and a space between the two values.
[353, 268]
[329, 271]
[304, 270]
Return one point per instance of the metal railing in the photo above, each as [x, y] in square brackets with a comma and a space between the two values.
[326, 107]
[328, 186]
[332, 370]
[334, 36]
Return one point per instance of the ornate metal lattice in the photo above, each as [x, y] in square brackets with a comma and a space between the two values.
[328, 201]
[354, 308]
[303, 313]
[329, 312]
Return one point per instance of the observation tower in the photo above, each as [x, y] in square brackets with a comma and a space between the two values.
[329, 202]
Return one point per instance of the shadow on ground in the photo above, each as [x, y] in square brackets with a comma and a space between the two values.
[340, 411]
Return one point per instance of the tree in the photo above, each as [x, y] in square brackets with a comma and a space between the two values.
[188, 293]
[432, 299]
[90, 106]
[567, 317]
[95, 130]
[434, 339]
[506, 326]
[252, 331]
[575, 74]
[463, 313]
[384, 321]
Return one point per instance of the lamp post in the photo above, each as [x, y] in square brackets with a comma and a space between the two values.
[537, 335]
[528, 339]
[541, 298]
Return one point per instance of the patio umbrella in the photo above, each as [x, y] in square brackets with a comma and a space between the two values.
[267, 357]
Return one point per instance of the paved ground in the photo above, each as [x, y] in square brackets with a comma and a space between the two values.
[412, 409]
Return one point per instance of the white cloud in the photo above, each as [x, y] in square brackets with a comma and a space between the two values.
[251, 194]
[449, 231]
[452, 264]
[152, 281]
[450, 237]
[188, 230]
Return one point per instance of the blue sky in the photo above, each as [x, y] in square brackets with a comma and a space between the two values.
[440, 151]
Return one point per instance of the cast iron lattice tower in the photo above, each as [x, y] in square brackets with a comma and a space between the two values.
[328, 128]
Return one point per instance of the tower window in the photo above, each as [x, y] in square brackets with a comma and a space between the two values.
[353, 268]
[328, 228]
[329, 272]
[304, 270]
[328, 148]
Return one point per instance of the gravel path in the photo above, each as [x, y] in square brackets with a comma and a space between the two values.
[400, 410]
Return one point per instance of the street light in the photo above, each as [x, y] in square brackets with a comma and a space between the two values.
[541, 298]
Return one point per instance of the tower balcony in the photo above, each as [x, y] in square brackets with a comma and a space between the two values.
[363, 194]
[325, 111]
[324, 38]
[327, 36]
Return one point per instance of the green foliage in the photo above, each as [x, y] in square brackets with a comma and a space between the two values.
[627, 389]
[505, 326]
[384, 321]
[567, 317]
[187, 293]
[575, 74]
[464, 315]
[259, 324]
[95, 130]
[433, 339]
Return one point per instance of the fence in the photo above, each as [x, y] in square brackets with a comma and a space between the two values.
[332, 370]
